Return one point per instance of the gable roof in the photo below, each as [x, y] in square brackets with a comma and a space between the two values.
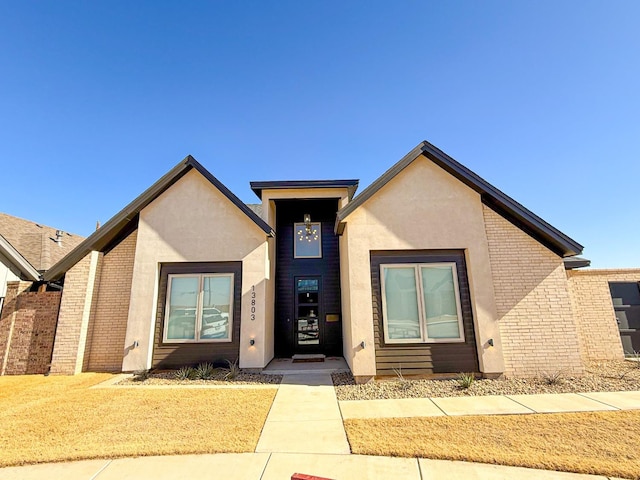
[35, 243]
[350, 185]
[504, 205]
[102, 237]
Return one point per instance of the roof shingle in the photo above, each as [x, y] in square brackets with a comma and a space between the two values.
[36, 242]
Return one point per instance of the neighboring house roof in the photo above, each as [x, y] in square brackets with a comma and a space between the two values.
[520, 216]
[350, 185]
[18, 261]
[102, 237]
[37, 244]
[256, 208]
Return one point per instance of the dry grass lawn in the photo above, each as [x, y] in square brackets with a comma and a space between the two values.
[605, 443]
[50, 419]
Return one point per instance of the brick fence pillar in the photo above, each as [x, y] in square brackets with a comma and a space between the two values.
[7, 322]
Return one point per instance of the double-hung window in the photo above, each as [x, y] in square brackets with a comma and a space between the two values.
[199, 308]
[421, 303]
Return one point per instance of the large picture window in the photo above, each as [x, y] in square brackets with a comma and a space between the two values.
[421, 303]
[199, 308]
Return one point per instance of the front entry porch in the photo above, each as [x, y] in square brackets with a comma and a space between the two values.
[286, 366]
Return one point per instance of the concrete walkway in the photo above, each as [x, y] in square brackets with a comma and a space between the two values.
[491, 405]
[304, 418]
[279, 466]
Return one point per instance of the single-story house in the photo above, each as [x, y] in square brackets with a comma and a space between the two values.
[429, 269]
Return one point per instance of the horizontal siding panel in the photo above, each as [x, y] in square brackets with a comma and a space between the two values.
[175, 355]
[423, 358]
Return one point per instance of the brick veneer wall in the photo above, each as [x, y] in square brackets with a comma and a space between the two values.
[593, 308]
[108, 324]
[537, 325]
[27, 329]
[73, 319]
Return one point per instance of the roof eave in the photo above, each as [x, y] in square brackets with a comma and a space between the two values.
[529, 222]
[492, 196]
[258, 186]
[18, 260]
[101, 237]
[571, 263]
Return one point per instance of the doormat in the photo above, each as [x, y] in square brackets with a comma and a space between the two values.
[307, 360]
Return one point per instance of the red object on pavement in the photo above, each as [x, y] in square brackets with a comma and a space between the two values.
[304, 476]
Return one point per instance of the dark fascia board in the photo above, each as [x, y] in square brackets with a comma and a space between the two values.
[513, 211]
[576, 262]
[18, 260]
[102, 237]
[350, 185]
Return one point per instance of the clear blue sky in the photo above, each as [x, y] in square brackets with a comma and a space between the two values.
[542, 99]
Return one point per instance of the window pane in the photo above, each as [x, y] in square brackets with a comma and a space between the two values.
[401, 315]
[216, 307]
[441, 309]
[183, 301]
[625, 293]
[307, 242]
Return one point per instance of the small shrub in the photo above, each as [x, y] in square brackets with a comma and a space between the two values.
[141, 375]
[553, 378]
[403, 383]
[465, 380]
[220, 363]
[635, 358]
[234, 370]
[204, 371]
[185, 373]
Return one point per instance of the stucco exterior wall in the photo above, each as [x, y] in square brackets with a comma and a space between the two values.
[591, 299]
[108, 323]
[423, 207]
[193, 222]
[539, 332]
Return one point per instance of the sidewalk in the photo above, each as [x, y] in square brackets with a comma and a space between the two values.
[279, 466]
[491, 405]
[304, 418]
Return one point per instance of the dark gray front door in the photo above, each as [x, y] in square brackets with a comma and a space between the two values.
[308, 315]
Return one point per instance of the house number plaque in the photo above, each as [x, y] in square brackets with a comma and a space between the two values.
[253, 302]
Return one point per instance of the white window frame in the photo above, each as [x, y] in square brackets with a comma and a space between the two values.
[424, 338]
[199, 309]
[295, 240]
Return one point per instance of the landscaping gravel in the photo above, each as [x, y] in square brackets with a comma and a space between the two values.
[599, 377]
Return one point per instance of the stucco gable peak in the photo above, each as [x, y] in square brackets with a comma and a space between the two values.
[122, 220]
[506, 206]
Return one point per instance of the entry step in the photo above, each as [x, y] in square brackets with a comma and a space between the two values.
[303, 358]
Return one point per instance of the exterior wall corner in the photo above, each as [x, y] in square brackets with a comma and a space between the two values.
[74, 316]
